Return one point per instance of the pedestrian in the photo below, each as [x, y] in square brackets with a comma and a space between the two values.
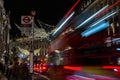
[15, 71]
[24, 71]
[2, 77]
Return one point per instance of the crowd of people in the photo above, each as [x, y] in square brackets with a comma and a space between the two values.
[2, 76]
[14, 71]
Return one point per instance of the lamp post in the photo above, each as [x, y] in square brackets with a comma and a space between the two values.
[6, 24]
[32, 44]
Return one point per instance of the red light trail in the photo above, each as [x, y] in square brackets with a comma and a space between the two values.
[72, 68]
[72, 8]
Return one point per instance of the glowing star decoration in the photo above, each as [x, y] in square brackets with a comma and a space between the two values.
[38, 32]
[26, 52]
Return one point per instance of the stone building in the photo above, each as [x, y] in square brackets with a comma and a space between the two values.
[2, 42]
[2, 16]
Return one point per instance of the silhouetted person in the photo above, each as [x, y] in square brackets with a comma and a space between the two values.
[24, 71]
[2, 77]
[15, 71]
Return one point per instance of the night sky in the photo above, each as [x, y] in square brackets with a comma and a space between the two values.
[47, 11]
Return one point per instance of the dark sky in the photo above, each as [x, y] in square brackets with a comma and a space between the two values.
[47, 11]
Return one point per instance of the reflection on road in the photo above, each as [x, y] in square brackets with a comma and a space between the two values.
[81, 73]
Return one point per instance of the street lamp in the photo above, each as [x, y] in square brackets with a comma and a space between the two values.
[32, 44]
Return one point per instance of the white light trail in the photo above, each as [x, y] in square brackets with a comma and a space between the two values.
[63, 23]
[91, 17]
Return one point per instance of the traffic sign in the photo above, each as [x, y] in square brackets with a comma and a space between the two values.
[26, 20]
[33, 13]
